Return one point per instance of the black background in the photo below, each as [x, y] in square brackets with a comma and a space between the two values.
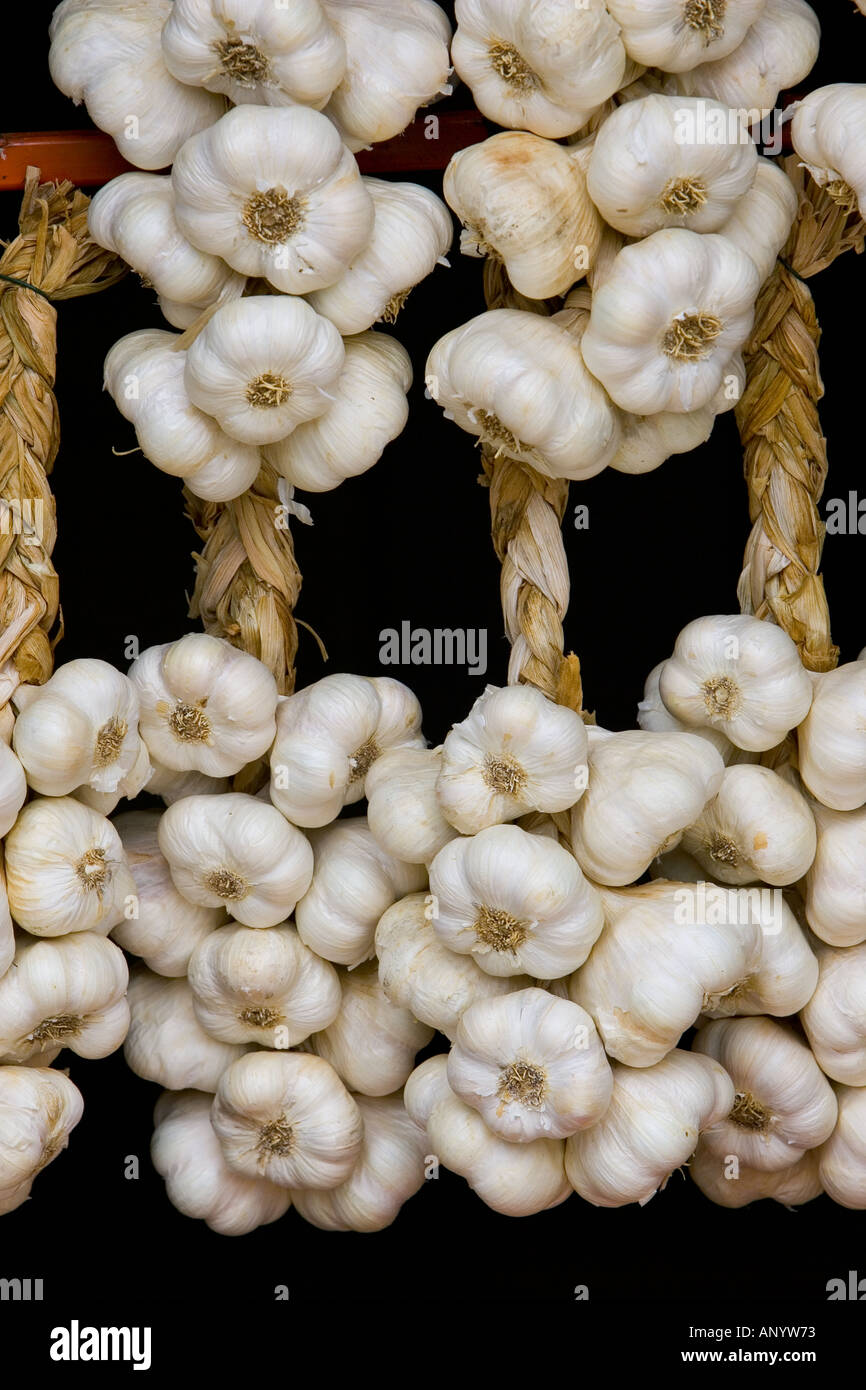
[410, 540]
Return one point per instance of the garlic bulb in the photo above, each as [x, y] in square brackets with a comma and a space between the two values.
[166, 1043]
[255, 51]
[186, 1153]
[372, 1042]
[171, 785]
[653, 715]
[739, 675]
[647, 441]
[650, 1128]
[827, 132]
[832, 738]
[402, 807]
[412, 233]
[368, 411]
[524, 201]
[778, 51]
[276, 194]
[65, 869]
[205, 706]
[397, 60]
[515, 752]
[679, 34]
[515, 1179]
[762, 219]
[516, 902]
[736, 1185]
[144, 375]
[107, 53]
[541, 67]
[7, 930]
[531, 1065]
[38, 1109]
[13, 788]
[261, 986]
[836, 883]
[236, 852]
[667, 320]
[835, 1016]
[353, 882]
[421, 975]
[390, 1170]
[644, 789]
[783, 1104]
[518, 382]
[328, 737]
[757, 827]
[70, 992]
[842, 1160]
[289, 1118]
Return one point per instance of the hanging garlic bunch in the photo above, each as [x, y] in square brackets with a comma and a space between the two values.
[828, 134]
[372, 1042]
[65, 993]
[758, 826]
[38, 1109]
[166, 1043]
[835, 1016]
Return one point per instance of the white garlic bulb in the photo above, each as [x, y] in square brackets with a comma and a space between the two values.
[69, 993]
[7, 930]
[758, 826]
[778, 51]
[730, 1183]
[38, 1109]
[205, 706]
[679, 34]
[354, 881]
[832, 738]
[13, 788]
[842, 1159]
[166, 1043]
[836, 883]
[651, 1127]
[171, 785]
[372, 1042]
[289, 1118]
[329, 735]
[762, 219]
[187, 1154]
[739, 675]
[827, 132]
[237, 852]
[835, 1016]
[403, 810]
[515, 1179]
[653, 714]
[264, 987]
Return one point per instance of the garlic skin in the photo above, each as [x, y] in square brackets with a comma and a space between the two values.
[368, 411]
[828, 135]
[832, 738]
[166, 1043]
[276, 193]
[187, 1155]
[650, 1128]
[171, 785]
[328, 737]
[70, 992]
[835, 1016]
[665, 323]
[372, 1042]
[757, 827]
[7, 930]
[205, 706]
[791, 1187]
[289, 1118]
[531, 1065]
[254, 51]
[524, 201]
[65, 869]
[656, 718]
[518, 381]
[778, 51]
[515, 752]
[836, 883]
[514, 1179]
[38, 1110]
[761, 222]
[542, 67]
[412, 233]
[390, 1170]
[740, 675]
[677, 36]
[353, 883]
[644, 790]
[842, 1159]
[109, 56]
[235, 851]
[13, 788]
[261, 987]
[421, 975]
[783, 1105]
[403, 811]
[648, 441]
[516, 902]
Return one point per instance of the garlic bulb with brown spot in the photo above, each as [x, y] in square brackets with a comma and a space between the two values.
[68, 993]
[166, 1043]
[38, 1109]
[757, 827]
[372, 1042]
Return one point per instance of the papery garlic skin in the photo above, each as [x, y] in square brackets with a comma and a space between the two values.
[514, 1179]
[421, 975]
[761, 222]
[778, 51]
[677, 36]
[236, 852]
[289, 1118]
[372, 1042]
[836, 883]
[739, 675]
[261, 987]
[828, 135]
[13, 788]
[832, 738]
[729, 1183]
[531, 1065]
[390, 1169]
[255, 51]
[38, 1109]
[835, 1016]
[65, 869]
[70, 992]
[166, 1043]
[403, 810]
[842, 1159]
[171, 785]
[654, 716]
[205, 706]
[7, 930]
[185, 1152]
[758, 827]
[650, 1128]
